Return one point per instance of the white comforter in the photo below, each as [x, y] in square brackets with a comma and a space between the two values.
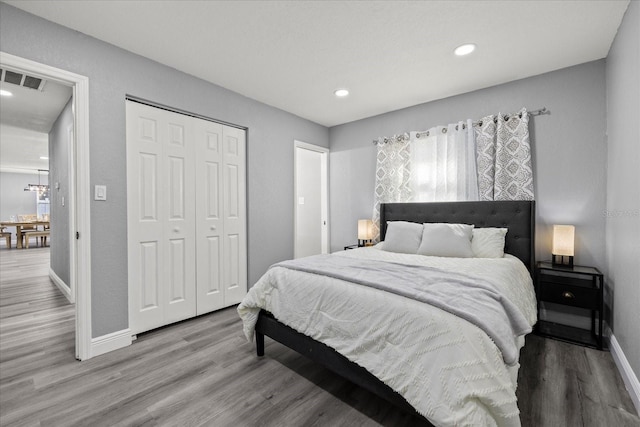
[444, 366]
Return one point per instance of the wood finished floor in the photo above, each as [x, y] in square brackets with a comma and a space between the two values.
[203, 372]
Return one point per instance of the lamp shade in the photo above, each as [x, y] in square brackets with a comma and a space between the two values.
[563, 240]
[365, 229]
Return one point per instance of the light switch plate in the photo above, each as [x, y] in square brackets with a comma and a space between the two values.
[100, 192]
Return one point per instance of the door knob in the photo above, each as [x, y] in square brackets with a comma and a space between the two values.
[176, 229]
[213, 227]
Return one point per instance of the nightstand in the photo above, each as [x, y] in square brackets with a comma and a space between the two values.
[350, 247]
[577, 286]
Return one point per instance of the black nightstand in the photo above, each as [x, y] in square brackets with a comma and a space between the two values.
[350, 247]
[578, 286]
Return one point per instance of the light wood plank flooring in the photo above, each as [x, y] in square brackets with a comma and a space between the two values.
[203, 372]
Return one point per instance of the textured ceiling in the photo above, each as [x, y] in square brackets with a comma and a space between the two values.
[389, 54]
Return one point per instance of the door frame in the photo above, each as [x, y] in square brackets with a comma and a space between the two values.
[79, 193]
[324, 195]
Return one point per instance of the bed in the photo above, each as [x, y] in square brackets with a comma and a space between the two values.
[480, 390]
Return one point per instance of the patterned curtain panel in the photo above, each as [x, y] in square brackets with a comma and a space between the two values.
[504, 158]
[486, 156]
[393, 175]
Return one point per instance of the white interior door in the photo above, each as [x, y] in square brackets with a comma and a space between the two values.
[311, 206]
[161, 217]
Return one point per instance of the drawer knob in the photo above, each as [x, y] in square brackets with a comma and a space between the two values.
[568, 295]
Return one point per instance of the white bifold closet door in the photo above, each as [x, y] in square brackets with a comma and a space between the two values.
[186, 216]
[220, 216]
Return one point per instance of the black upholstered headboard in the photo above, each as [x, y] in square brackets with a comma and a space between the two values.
[518, 216]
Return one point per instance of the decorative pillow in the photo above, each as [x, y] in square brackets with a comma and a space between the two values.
[447, 240]
[488, 242]
[403, 237]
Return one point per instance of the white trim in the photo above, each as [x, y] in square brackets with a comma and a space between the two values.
[110, 342]
[64, 288]
[307, 146]
[71, 168]
[79, 200]
[326, 243]
[628, 376]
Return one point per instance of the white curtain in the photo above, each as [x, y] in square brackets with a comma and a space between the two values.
[504, 157]
[443, 164]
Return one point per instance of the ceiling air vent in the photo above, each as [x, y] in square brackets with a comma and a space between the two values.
[32, 82]
[11, 77]
[22, 80]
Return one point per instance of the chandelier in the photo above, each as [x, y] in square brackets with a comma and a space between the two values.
[40, 188]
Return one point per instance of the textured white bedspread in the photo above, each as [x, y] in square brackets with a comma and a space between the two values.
[444, 366]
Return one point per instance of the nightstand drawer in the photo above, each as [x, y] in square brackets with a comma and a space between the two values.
[575, 296]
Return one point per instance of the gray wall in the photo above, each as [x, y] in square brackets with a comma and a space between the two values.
[13, 199]
[113, 73]
[623, 184]
[59, 176]
[569, 153]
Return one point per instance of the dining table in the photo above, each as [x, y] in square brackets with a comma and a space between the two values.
[20, 224]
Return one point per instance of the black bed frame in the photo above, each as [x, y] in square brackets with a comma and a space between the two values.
[517, 216]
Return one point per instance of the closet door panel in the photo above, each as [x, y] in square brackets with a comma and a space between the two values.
[234, 210]
[144, 163]
[179, 222]
[209, 223]
[160, 214]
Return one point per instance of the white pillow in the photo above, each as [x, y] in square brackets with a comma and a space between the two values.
[403, 237]
[488, 242]
[448, 240]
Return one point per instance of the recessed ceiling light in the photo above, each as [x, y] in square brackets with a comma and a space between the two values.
[5, 93]
[341, 93]
[44, 158]
[465, 49]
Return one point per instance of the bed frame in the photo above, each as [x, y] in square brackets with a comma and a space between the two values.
[517, 216]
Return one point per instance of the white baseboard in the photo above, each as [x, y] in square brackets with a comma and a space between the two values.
[64, 288]
[629, 377]
[110, 342]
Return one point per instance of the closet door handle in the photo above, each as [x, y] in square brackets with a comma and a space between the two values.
[213, 228]
[568, 295]
[176, 230]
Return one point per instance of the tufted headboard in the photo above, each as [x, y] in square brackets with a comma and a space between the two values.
[518, 216]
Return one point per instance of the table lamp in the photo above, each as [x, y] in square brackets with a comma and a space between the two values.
[365, 232]
[562, 250]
